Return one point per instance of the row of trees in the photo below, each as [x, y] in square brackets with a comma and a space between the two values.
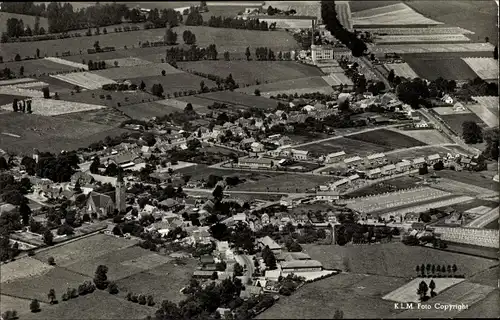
[264, 53]
[238, 23]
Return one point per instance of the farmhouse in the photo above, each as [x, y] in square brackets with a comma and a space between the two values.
[433, 158]
[418, 162]
[388, 169]
[321, 53]
[403, 166]
[256, 163]
[299, 154]
[301, 266]
[257, 147]
[373, 173]
[334, 157]
[267, 241]
[126, 160]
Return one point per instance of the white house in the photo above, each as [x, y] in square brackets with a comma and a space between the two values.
[301, 266]
[257, 147]
[433, 158]
[327, 195]
[267, 241]
[373, 173]
[299, 154]
[403, 166]
[353, 160]
[447, 99]
[376, 157]
[388, 169]
[335, 157]
[418, 162]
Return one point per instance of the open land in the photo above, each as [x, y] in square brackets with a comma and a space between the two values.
[423, 38]
[485, 68]
[23, 268]
[285, 183]
[147, 110]
[491, 103]
[431, 68]
[338, 78]
[396, 14]
[27, 20]
[471, 178]
[426, 136]
[106, 116]
[349, 146]
[488, 277]
[200, 172]
[489, 116]
[344, 14]
[248, 72]
[86, 80]
[127, 73]
[178, 104]
[399, 183]
[99, 97]
[387, 138]
[21, 305]
[360, 5]
[178, 82]
[488, 307]
[127, 62]
[241, 99]
[407, 293]
[418, 31]
[402, 70]
[49, 133]
[50, 107]
[466, 48]
[342, 291]
[310, 83]
[36, 67]
[455, 121]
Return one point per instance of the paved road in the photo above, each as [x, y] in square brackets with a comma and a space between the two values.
[377, 72]
[246, 260]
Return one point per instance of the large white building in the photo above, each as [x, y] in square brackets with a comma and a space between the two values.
[321, 53]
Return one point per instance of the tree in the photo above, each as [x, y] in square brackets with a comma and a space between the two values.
[339, 314]
[471, 132]
[9, 315]
[422, 291]
[46, 92]
[48, 237]
[495, 53]
[188, 109]
[3, 164]
[77, 188]
[25, 212]
[142, 86]
[51, 261]
[157, 90]
[226, 55]
[432, 286]
[390, 77]
[100, 278]
[35, 305]
[417, 269]
[238, 269]
[52, 296]
[112, 288]
[150, 300]
[21, 71]
[170, 37]
[454, 268]
[247, 53]
[423, 169]
[141, 299]
[189, 37]
[295, 247]
[344, 105]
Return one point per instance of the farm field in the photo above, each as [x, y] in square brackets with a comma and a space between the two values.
[199, 105]
[469, 293]
[106, 116]
[360, 5]
[97, 305]
[402, 70]
[312, 83]
[489, 307]
[16, 81]
[303, 8]
[426, 136]
[455, 121]
[231, 40]
[487, 115]
[335, 79]
[241, 99]
[49, 133]
[387, 138]
[417, 31]
[22, 268]
[487, 277]
[447, 68]
[443, 111]
[199, 172]
[50, 107]
[68, 63]
[376, 259]
[127, 73]
[284, 183]
[18, 304]
[472, 178]
[127, 62]
[399, 183]
[433, 48]
[86, 80]
[37, 287]
[27, 20]
[147, 110]
[344, 14]
[248, 72]
[424, 38]
[178, 82]
[342, 291]
[407, 293]
[85, 249]
[351, 147]
[458, 187]
[122, 97]
[36, 67]
[479, 17]
[491, 103]
[396, 14]
[485, 68]
[152, 281]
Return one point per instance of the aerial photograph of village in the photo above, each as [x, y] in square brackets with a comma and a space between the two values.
[240, 160]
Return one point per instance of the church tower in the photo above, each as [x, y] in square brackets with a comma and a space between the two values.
[120, 193]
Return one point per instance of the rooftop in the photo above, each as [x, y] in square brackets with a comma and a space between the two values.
[267, 241]
[301, 264]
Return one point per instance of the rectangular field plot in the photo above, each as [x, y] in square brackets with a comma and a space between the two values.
[178, 82]
[87, 80]
[408, 293]
[23, 268]
[49, 107]
[99, 97]
[402, 70]
[440, 38]
[21, 305]
[431, 47]
[489, 307]
[238, 98]
[427, 136]
[37, 67]
[351, 147]
[455, 121]
[447, 68]
[85, 249]
[344, 14]
[147, 110]
[397, 14]
[485, 68]
[127, 73]
[491, 103]
[287, 85]
[335, 79]
[444, 111]
[414, 153]
[106, 116]
[417, 31]
[285, 183]
[199, 104]
[249, 72]
[387, 138]
[487, 115]
[127, 62]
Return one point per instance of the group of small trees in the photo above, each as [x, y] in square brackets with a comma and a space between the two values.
[269, 258]
[157, 90]
[423, 288]
[96, 65]
[189, 37]
[471, 132]
[239, 23]
[141, 299]
[436, 270]
[264, 53]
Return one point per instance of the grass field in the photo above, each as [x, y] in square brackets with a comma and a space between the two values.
[248, 72]
[153, 281]
[349, 146]
[421, 38]
[178, 82]
[285, 183]
[447, 68]
[127, 73]
[107, 116]
[402, 70]
[399, 183]
[335, 79]
[477, 16]
[485, 68]
[489, 307]
[200, 172]
[408, 292]
[311, 83]
[473, 178]
[387, 138]
[27, 20]
[180, 103]
[240, 99]
[122, 97]
[344, 14]
[147, 110]
[86, 80]
[49, 107]
[127, 62]
[426, 136]
[36, 67]
[231, 40]
[19, 304]
[455, 121]
[378, 259]
[360, 5]
[23, 268]
[487, 277]
[396, 14]
[358, 296]
[49, 133]
[97, 305]
[419, 31]
[491, 103]
[487, 115]
[465, 48]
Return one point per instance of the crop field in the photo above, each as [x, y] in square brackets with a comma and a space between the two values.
[122, 97]
[387, 138]
[489, 307]
[241, 99]
[76, 65]
[402, 70]
[27, 20]
[199, 104]
[311, 83]
[16, 81]
[36, 67]
[85, 249]
[432, 48]
[127, 73]
[417, 31]
[424, 38]
[469, 293]
[178, 82]
[106, 116]
[249, 72]
[477, 16]
[487, 277]
[470, 178]
[97, 305]
[396, 14]
[147, 110]
[455, 121]
[335, 79]
[443, 111]
[25, 132]
[491, 103]
[127, 62]
[485, 68]
[50, 107]
[399, 183]
[360, 5]
[344, 14]
[489, 116]
[202, 172]
[414, 153]
[447, 68]
[86, 80]
[343, 292]
[376, 259]
[37, 85]
[285, 183]
[19, 304]
[426, 136]
[351, 147]
[408, 293]
[22, 268]
[153, 281]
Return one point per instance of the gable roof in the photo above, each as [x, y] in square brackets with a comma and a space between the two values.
[100, 200]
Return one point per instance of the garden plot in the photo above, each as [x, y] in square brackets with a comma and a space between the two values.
[287, 85]
[431, 47]
[22, 268]
[417, 31]
[485, 68]
[402, 70]
[491, 103]
[408, 292]
[441, 38]
[87, 80]
[484, 113]
[397, 14]
[16, 81]
[127, 62]
[180, 105]
[145, 70]
[38, 85]
[336, 79]
[15, 91]
[51, 107]
[427, 136]
[344, 14]
[68, 63]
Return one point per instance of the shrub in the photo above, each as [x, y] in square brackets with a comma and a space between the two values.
[51, 261]
[113, 288]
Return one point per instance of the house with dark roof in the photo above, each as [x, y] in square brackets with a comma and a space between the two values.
[100, 204]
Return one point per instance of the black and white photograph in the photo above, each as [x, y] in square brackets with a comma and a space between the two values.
[239, 160]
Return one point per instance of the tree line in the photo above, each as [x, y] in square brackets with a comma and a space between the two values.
[239, 23]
